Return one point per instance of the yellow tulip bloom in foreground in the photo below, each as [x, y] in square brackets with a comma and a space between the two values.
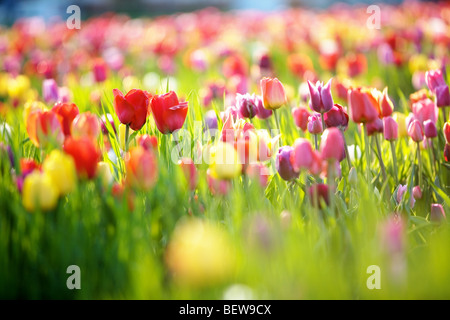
[199, 253]
[60, 167]
[39, 192]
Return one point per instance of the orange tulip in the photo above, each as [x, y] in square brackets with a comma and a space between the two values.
[273, 93]
[142, 168]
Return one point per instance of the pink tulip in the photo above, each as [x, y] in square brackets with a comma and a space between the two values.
[273, 93]
[437, 213]
[442, 96]
[417, 193]
[401, 190]
[434, 79]
[415, 131]
[332, 144]
[302, 155]
[424, 110]
[315, 124]
[390, 129]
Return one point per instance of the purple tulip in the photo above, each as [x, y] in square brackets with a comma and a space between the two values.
[211, 120]
[245, 103]
[283, 163]
[429, 127]
[261, 112]
[442, 96]
[321, 100]
[50, 90]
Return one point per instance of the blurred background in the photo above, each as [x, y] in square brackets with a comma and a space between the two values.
[11, 10]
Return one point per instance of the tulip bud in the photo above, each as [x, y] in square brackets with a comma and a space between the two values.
[283, 163]
[300, 116]
[315, 124]
[437, 213]
[336, 117]
[390, 129]
[415, 131]
[302, 155]
[442, 96]
[401, 190]
[39, 192]
[60, 167]
[273, 93]
[417, 192]
[386, 105]
[332, 144]
[430, 129]
[50, 90]
[321, 100]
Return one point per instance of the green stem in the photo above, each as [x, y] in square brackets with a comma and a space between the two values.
[366, 151]
[380, 157]
[419, 160]
[347, 155]
[394, 160]
[323, 122]
[444, 109]
[316, 142]
[275, 114]
[127, 132]
[330, 181]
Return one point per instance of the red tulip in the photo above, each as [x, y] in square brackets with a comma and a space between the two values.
[447, 132]
[336, 117]
[168, 112]
[133, 108]
[85, 154]
[142, 168]
[44, 127]
[386, 105]
[363, 105]
[68, 112]
[447, 152]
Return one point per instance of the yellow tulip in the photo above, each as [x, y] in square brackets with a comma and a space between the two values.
[225, 162]
[199, 254]
[39, 192]
[400, 118]
[18, 86]
[60, 167]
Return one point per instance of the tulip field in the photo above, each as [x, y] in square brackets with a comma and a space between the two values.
[295, 154]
